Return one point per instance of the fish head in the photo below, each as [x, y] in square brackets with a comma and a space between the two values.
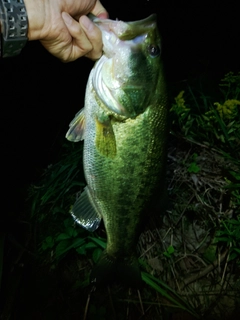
[126, 77]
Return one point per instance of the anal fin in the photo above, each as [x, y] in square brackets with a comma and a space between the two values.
[85, 212]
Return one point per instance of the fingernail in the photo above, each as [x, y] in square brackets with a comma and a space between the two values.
[66, 17]
[103, 15]
[86, 23]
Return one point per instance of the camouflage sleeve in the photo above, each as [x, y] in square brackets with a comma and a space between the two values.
[14, 27]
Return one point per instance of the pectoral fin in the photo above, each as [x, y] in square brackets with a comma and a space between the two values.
[77, 127]
[85, 211]
[105, 139]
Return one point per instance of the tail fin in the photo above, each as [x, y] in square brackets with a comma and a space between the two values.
[109, 269]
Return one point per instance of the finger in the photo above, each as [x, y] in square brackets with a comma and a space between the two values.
[99, 10]
[80, 45]
[94, 36]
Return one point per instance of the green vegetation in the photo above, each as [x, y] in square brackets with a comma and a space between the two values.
[190, 260]
[215, 124]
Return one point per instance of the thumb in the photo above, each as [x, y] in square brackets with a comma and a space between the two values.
[99, 10]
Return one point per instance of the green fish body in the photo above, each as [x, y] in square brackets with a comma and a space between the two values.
[124, 127]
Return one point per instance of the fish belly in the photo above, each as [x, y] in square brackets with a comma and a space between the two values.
[122, 184]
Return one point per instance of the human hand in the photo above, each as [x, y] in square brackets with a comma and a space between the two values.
[53, 23]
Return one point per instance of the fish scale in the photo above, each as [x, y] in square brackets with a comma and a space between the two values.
[124, 128]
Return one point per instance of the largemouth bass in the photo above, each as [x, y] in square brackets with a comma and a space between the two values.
[124, 128]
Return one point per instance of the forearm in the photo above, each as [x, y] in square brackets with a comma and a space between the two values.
[14, 27]
[36, 14]
[60, 25]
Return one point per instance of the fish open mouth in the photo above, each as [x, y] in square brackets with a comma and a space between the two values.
[115, 73]
[117, 33]
[126, 30]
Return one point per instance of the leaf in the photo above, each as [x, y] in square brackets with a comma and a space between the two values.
[194, 168]
[90, 245]
[58, 210]
[66, 245]
[74, 184]
[233, 256]
[62, 236]
[61, 247]
[96, 254]
[47, 243]
[68, 222]
[49, 240]
[71, 231]
[166, 254]
[77, 242]
[149, 280]
[170, 249]
[235, 222]
[224, 239]
[81, 250]
[99, 242]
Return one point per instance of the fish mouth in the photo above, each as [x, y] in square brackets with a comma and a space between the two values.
[113, 72]
[120, 39]
[126, 30]
[115, 33]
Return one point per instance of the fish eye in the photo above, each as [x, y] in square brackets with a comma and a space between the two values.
[153, 50]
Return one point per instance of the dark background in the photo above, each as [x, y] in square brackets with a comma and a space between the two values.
[40, 95]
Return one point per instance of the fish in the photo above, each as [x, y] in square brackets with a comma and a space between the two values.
[124, 128]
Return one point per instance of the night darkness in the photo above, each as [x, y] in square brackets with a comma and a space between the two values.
[40, 95]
